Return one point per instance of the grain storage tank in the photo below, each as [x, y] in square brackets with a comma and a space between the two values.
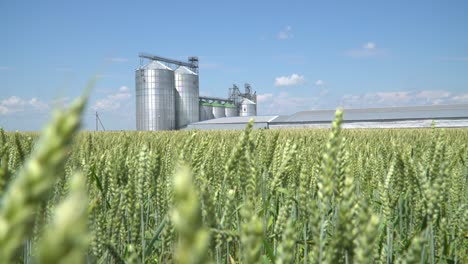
[218, 110]
[155, 102]
[248, 108]
[201, 112]
[230, 110]
[206, 111]
[186, 97]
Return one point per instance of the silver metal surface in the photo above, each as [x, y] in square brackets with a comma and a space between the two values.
[206, 112]
[445, 123]
[214, 99]
[271, 123]
[389, 113]
[230, 123]
[201, 113]
[236, 96]
[218, 110]
[236, 126]
[155, 101]
[239, 120]
[248, 108]
[231, 111]
[186, 97]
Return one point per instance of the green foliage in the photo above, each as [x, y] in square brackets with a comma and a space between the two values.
[255, 196]
[35, 180]
[66, 240]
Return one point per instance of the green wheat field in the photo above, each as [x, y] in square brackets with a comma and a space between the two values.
[252, 196]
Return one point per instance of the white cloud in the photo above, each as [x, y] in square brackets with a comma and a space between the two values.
[113, 101]
[284, 103]
[293, 80]
[285, 34]
[13, 101]
[378, 99]
[367, 50]
[261, 98]
[434, 96]
[322, 86]
[369, 46]
[319, 83]
[60, 102]
[16, 104]
[403, 98]
[324, 92]
[3, 110]
[462, 98]
[36, 104]
[391, 97]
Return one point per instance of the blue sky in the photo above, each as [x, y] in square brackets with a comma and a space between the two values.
[297, 55]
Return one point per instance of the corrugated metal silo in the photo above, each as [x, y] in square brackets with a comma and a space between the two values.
[186, 98]
[248, 108]
[155, 101]
[218, 110]
[230, 110]
[201, 112]
[206, 111]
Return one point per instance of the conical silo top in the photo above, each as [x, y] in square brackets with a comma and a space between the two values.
[184, 70]
[246, 101]
[156, 65]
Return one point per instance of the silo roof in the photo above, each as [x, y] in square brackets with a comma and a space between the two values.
[184, 70]
[216, 104]
[228, 105]
[375, 114]
[156, 65]
[247, 101]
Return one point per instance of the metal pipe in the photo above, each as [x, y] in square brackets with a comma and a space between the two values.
[208, 98]
[158, 58]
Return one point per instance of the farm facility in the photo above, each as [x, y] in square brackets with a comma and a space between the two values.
[252, 132]
[168, 98]
[395, 117]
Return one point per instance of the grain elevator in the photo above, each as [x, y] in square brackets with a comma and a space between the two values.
[168, 96]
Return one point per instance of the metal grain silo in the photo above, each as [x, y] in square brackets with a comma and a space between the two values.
[218, 110]
[206, 111]
[248, 108]
[155, 101]
[201, 112]
[186, 97]
[230, 110]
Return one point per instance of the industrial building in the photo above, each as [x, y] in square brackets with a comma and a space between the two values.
[168, 96]
[233, 123]
[394, 117]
